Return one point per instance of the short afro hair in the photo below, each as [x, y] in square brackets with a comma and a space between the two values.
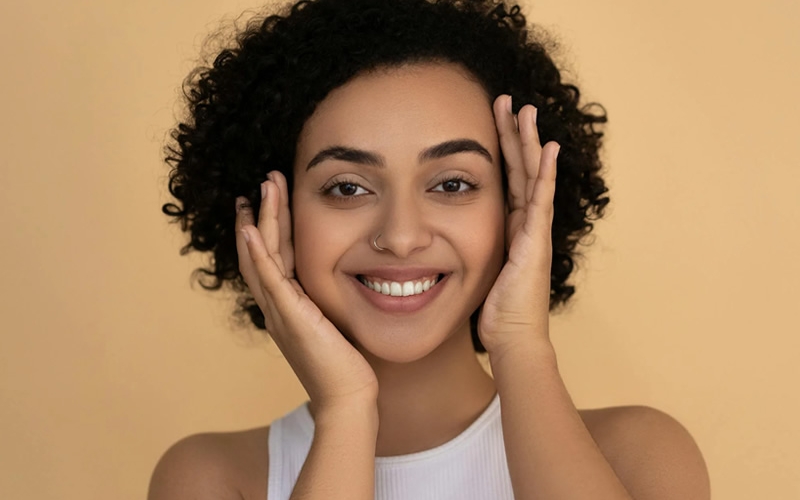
[246, 110]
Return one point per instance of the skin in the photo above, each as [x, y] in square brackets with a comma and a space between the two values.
[394, 383]
[424, 361]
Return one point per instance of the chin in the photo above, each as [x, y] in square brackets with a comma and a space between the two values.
[403, 343]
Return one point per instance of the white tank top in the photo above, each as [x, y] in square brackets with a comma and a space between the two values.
[472, 466]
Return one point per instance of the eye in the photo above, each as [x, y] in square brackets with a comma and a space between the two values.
[344, 189]
[454, 185]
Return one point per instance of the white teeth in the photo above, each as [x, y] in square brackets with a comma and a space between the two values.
[397, 289]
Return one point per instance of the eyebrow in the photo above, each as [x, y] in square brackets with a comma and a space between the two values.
[448, 148]
[369, 158]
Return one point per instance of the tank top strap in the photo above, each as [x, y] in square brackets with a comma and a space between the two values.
[290, 440]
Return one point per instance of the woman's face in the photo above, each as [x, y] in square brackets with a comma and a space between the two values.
[410, 154]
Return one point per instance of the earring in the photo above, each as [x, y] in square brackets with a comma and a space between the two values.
[375, 243]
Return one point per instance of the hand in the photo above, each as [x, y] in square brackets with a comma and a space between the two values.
[517, 307]
[332, 371]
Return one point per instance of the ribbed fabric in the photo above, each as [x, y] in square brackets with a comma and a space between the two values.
[472, 466]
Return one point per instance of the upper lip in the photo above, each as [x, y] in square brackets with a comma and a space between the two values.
[401, 274]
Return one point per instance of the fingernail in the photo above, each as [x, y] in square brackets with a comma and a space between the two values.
[263, 190]
[246, 236]
[535, 114]
[269, 176]
[558, 150]
[509, 106]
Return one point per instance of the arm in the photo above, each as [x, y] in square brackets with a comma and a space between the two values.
[341, 461]
[549, 449]
[551, 454]
[632, 453]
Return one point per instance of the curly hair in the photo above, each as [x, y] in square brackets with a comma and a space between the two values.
[246, 110]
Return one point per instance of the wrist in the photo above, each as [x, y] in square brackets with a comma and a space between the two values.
[345, 415]
[499, 337]
[524, 350]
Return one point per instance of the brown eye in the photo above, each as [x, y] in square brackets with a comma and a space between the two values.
[347, 189]
[344, 189]
[454, 186]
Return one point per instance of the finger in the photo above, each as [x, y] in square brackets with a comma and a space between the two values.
[268, 223]
[511, 147]
[531, 147]
[540, 215]
[244, 216]
[259, 282]
[284, 222]
[277, 289]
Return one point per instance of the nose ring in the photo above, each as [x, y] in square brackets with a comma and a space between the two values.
[375, 243]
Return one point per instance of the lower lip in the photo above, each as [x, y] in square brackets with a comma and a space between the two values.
[409, 304]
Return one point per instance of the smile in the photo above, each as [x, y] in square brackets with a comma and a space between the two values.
[399, 289]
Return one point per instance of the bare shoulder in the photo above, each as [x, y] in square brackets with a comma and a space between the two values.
[220, 466]
[654, 456]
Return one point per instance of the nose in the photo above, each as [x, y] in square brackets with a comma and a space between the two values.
[403, 227]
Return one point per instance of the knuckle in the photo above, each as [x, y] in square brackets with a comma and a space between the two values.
[528, 140]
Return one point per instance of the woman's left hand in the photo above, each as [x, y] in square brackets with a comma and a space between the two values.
[516, 310]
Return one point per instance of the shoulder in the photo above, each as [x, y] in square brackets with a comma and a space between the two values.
[654, 456]
[225, 465]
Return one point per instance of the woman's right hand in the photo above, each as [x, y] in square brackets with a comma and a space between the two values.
[332, 371]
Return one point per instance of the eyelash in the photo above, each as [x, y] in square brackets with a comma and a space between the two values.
[472, 186]
[327, 189]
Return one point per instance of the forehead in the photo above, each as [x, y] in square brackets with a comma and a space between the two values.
[409, 107]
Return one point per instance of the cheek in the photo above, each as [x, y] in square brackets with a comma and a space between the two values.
[310, 255]
[483, 244]
[493, 245]
[320, 239]
[308, 261]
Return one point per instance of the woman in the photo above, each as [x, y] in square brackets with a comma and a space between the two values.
[406, 217]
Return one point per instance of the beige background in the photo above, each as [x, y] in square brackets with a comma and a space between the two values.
[688, 301]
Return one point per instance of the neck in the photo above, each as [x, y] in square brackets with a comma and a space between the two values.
[428, 402]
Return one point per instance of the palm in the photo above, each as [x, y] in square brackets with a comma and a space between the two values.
[327, 365]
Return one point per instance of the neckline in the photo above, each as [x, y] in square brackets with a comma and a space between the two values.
[480, 423]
